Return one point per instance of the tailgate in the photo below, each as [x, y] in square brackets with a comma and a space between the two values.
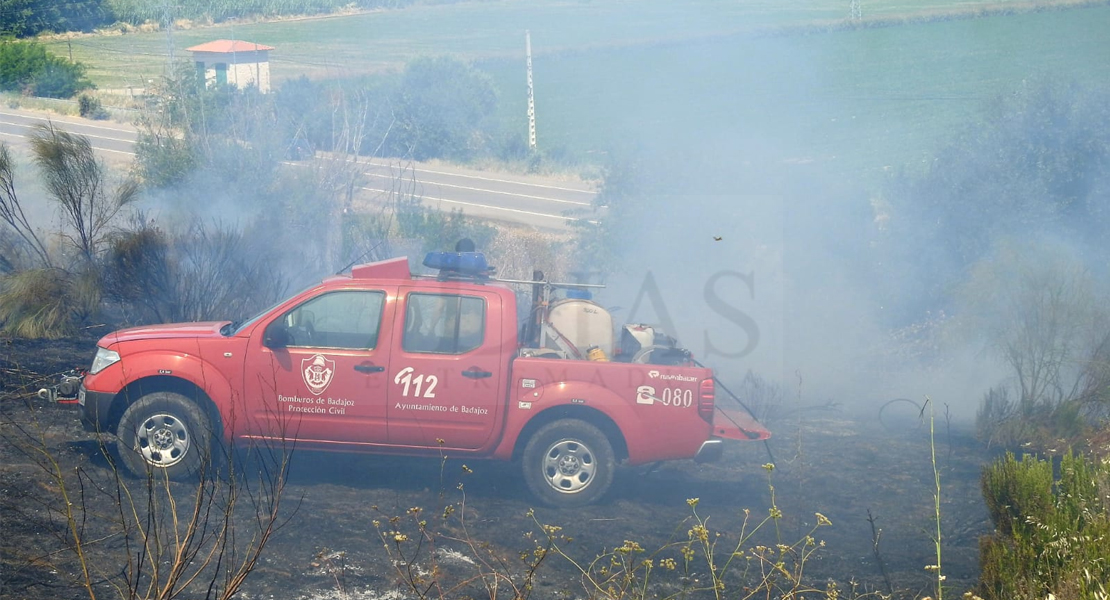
[737, 425]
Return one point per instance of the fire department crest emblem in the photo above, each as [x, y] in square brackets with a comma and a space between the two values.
[317, 372]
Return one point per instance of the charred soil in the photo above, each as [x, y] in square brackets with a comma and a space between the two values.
[847, 467]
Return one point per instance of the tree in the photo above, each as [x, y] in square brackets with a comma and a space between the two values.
[1038, 160]
[26, 18]
[1038, 310]
[27, 67]
[442, 105]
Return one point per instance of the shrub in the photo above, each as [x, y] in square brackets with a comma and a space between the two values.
[365, 237]
[1036, 160]
[78, 182]
[12, 251]
[1052, 536]
[43, 303]
[28, 68]
[90, 107]
[995, 422]
[762, 397]
[225, 136]
[201, 273]
[164, 160]
[137, 274]
[219, 277]
[1043, 426]
[440, 230]
[442, 104]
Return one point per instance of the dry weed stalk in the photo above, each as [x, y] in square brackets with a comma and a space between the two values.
[697, 565]
[417, 558]
[935, 568]
[197, 539]
[876, 533]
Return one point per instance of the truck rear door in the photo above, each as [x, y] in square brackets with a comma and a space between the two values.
[733, 424]
[446, 374]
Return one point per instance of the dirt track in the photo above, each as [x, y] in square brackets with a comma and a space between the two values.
[839, 465]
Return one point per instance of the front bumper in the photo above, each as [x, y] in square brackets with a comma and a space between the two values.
[96, 408]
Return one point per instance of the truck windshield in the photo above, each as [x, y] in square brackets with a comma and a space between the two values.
[235, 327]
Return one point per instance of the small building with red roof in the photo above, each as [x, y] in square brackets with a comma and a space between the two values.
[233, 62]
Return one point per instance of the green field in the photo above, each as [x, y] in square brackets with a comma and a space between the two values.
[330, 46]
[769, 83]
[860, 101]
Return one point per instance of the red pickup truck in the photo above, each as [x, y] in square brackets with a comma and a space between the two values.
[382, 361]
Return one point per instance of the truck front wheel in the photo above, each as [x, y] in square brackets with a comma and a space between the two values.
[568, 463]
[164, 431]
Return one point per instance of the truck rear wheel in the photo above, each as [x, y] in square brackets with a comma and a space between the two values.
[568, 463]
[164, 431]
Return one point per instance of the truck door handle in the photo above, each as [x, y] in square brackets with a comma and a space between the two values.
[476, 373]
[369, 369]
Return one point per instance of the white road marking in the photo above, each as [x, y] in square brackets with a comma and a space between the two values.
[491, 207]
[494, 179]
[512, 210]
[116, 151]
[96, 149]
[45, 119]
[98, 137]
[417, 171]
[489, 191]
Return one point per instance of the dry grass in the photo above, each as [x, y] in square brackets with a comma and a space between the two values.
[37, 303]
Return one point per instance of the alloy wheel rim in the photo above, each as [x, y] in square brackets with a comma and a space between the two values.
[163, 440]
[569, 466]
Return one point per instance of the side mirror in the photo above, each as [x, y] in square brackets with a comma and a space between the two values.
[276, 335]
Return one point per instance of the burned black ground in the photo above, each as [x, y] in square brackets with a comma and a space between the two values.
[843, 465]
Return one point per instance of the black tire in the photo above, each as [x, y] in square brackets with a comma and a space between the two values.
[568, 463]
[165, 432]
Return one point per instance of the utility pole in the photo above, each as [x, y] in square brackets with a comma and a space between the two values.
[531, 97]
[167, 21]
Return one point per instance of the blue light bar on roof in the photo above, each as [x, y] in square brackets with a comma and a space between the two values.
[463, 263]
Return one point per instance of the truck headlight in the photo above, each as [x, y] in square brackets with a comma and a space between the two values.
[104, 358]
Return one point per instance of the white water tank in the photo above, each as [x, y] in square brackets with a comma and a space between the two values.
[583, 323]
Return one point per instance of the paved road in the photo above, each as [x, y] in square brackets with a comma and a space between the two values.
[547, 203]
[115, 140]
[543, 202]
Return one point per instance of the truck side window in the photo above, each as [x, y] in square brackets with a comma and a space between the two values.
[443, 323]
[345, 319]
